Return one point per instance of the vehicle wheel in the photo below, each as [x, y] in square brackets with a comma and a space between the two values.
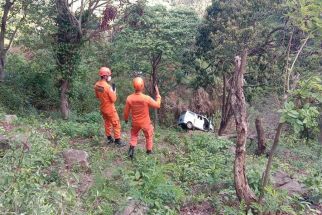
[189, 125]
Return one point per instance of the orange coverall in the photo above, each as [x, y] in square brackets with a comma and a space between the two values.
[107, 98]
[138, 104]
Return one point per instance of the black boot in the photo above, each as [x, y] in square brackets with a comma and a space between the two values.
[119, 143]
[109, 140]
[131, 152]
[149, 152]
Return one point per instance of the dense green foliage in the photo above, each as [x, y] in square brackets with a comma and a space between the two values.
[272, 31]
[159, 33]
[302, 109]
[189, 57]
[185, 169]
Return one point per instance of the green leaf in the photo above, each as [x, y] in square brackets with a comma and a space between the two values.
[137, 175]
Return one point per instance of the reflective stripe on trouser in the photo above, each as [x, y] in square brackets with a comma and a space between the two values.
[148, 133]
[112, 121]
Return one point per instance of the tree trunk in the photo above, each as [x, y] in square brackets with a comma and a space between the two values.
[226, 111]
[270, 160]
[3, 30]
[238, 104]
[67, 48]
[153, 83]
[64, 102]
[260, 136]
[2, 64]
[295, 60]
[155, 61]
[223, 122]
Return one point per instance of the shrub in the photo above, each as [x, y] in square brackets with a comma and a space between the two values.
[29, 84]
[74, 129]
[26, 186]
[148, 182]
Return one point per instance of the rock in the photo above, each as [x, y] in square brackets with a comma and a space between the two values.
[85, 182]
[280, 178]
[76, 157]
[232, 150]
[293, 187]
[4, 143]
[9, 119]
[134, 208]
[283, 181]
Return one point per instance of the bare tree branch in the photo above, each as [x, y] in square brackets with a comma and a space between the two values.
[286, 86]
[97, 4]
[71, 3]
[296, 57]
[80, 16]
[15, 32]
[270, 160]
[92, 5]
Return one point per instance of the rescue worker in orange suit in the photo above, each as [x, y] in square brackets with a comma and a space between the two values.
[106, 94]
[138, 105]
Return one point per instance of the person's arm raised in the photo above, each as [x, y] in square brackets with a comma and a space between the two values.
[112, 94]
[155, 103]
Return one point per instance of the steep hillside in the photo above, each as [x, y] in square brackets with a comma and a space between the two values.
[51, 166]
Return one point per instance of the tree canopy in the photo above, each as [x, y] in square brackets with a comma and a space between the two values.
[237, 121]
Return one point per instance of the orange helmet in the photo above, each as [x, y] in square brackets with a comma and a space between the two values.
[138, 84]
[104, 71]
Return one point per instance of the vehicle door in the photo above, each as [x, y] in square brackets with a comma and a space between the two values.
[199, 122]
[206, 124]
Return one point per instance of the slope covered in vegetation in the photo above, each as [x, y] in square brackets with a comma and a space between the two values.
[251, 68]
[189, 172]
